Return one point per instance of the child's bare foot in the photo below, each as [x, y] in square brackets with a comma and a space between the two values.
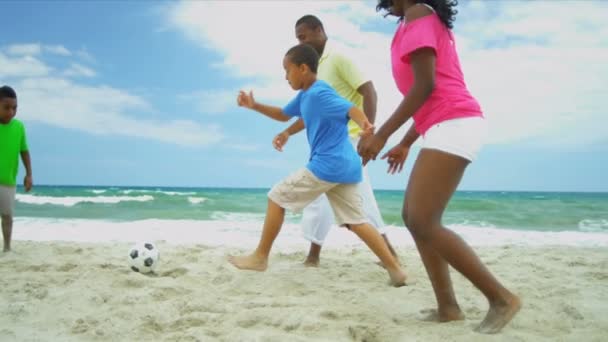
[445, 315]
[249, 262]
[398, 277]
[6, 249]
[499, 315]
[311, 262]
[379, 263]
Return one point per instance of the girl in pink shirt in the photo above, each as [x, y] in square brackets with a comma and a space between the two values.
[427, 72]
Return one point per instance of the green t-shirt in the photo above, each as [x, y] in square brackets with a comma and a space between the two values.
[12, 143]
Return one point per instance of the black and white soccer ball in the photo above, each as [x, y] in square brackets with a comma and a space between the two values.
[143, 257]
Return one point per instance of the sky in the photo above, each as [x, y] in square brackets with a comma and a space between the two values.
[143, 93]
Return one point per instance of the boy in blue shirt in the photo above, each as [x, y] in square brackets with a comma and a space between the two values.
[334, 167]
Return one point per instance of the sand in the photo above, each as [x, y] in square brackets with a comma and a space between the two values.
[79, 291]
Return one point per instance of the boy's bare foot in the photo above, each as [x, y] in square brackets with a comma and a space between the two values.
[379, 263]
[446, 315]
[6, 249]
[311, 262]
[249, 262]
[499, 315]
[398, 277]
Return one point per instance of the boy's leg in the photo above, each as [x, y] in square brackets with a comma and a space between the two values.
[258, 260]
[346, 202]
[372, 212]
[7, 201]
[7, 229]
[317, 219]
[294, 193]
[376, 243]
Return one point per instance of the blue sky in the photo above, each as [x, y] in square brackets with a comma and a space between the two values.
[143, 93]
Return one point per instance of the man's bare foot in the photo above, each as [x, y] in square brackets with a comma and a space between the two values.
[398, 277]
[249, 262]
[6, 249]
[499, 315]
[311, 262]
[446, 315]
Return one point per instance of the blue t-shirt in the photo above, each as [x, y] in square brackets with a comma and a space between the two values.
[325, 113]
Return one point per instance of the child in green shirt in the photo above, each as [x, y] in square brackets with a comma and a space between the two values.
[12, 144]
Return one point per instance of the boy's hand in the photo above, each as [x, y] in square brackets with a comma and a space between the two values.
[367, 130]
[27, 183]
[396, 158]
[245, 100]
[280, 140]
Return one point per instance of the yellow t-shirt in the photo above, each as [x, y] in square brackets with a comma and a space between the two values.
[342, 74]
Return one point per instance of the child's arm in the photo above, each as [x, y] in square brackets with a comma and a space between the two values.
[27, 181]
[247, 101]
[359, 117]
[281, 139]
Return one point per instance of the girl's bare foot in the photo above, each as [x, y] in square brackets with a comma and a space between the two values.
[250, 262]
[499, 315]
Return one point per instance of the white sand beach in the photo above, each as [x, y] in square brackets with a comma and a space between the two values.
[81, 291]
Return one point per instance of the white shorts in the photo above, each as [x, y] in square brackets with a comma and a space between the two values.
[318, 217]
[463, 137]
[7, 200]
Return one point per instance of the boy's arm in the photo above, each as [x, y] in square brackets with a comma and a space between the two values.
[247, 101]
[295, 128]
[359, 117]
[27, 163]
[272, 112]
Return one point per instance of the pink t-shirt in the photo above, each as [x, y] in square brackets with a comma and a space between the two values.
[450, 99]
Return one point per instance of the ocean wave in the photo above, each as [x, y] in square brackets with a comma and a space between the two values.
[242, 234]
[196, 200]
[588, 225]
[97, 192]
[168, 193]
[73, 200]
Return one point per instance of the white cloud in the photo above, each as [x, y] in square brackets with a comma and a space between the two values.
[79, 70]
[24, 49]
[47, 97]
[57, 50]
[542, 84]
[22, 66]
[33, 49]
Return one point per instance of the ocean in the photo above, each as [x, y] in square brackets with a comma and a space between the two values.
[232, 215]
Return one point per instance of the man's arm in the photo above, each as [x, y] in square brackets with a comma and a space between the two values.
[370, 100]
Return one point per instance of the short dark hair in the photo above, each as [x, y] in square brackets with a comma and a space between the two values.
[7, 92]
[311, 21]
[304, 54]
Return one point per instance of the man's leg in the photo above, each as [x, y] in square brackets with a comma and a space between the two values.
[317, 219]
[7, 230]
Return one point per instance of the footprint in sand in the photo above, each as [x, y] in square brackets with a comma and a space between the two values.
[66, 267]
[363, 333]
[572, 312]
[174, 273]
[82, 326]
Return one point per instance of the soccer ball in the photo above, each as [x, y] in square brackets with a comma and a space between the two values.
[143, 257]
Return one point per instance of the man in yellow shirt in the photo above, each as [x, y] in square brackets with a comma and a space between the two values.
[340, 73]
